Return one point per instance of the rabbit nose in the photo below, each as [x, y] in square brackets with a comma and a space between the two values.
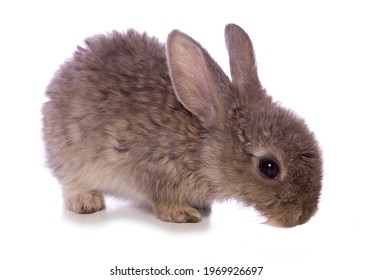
[298, 216]
[306, 215]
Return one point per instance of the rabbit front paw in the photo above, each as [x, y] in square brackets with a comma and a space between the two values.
[174, 213]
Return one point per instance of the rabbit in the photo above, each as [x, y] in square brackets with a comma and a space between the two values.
[162, 124]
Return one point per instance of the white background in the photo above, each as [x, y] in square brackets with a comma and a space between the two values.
[313, 56]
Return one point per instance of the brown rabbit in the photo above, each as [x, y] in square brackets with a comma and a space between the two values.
[130, 117]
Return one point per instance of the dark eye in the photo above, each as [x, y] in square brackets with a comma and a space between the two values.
[269, 168]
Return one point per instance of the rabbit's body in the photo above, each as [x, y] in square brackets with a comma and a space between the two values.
[129, 119]
[123, 131]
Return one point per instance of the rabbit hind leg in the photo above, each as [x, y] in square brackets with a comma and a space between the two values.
[83, 201]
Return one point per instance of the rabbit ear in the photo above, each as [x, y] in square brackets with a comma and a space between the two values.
[242, 61]
[198, 81]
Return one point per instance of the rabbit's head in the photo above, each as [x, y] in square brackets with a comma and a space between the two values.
[255, 150]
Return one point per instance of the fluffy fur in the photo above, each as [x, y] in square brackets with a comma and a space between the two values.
[131, 117]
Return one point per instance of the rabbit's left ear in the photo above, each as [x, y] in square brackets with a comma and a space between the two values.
[242, 61]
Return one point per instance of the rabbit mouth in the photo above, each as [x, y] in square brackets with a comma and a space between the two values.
[288, 216]
[287, 222]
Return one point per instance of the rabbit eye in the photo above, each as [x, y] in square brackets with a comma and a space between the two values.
[269, 168]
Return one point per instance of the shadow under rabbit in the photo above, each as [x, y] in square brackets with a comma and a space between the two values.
[133, 213]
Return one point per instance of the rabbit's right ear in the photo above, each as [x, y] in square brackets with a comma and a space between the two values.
[199, 83]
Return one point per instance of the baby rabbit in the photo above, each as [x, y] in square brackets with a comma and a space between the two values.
[163, 124]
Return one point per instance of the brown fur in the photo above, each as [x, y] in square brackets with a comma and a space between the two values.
[131, 118]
